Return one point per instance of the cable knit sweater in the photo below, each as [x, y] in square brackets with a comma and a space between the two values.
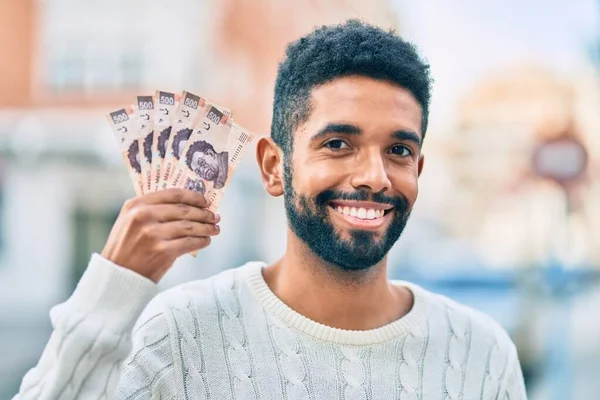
[230, 337]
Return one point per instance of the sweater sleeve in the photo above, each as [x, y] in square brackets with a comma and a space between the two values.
[91, 336]
[149, 370]
[513, 387]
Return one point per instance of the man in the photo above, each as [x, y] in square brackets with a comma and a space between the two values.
[202, 158]
[323, 322]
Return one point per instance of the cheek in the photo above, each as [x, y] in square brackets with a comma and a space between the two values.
[313, 178]
[408, 186]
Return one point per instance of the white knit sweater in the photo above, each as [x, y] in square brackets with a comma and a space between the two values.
[230, 337]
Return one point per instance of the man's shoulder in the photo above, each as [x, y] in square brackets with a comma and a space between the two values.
[199, 298]
[463, 320]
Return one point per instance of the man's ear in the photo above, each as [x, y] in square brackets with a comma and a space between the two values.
[270, 162]
[421, 164]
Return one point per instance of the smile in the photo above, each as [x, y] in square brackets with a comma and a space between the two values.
[362, 214]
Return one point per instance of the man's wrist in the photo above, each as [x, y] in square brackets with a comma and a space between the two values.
[112, 293]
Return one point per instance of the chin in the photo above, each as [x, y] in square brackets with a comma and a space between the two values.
[357, 263]
[351, 268]
[359, 254]
[351, 234]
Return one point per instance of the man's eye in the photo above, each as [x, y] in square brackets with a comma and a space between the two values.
[401, 150]
[336, 144]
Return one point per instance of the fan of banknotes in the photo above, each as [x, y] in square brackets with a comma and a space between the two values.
[179, 141]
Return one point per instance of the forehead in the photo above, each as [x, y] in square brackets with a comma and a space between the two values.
[366, 102]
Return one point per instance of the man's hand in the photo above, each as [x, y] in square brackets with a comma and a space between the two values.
[154, 229]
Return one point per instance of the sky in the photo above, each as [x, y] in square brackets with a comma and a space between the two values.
[466, 39]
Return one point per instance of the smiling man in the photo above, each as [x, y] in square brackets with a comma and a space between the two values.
[323, 322]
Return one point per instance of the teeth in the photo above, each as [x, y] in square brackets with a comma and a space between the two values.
[362, 213]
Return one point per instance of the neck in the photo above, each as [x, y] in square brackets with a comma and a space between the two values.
[350, 300]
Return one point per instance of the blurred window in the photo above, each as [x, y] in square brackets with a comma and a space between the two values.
[85, 67]
[90, 230]
[110, 46]
[91, 48]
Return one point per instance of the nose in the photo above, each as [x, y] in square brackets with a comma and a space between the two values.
[370, 174]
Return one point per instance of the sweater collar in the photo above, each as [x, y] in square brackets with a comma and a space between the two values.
[254, 280]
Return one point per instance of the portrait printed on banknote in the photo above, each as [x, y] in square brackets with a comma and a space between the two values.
[205, 156]
[196, 185]
[144, 113]
[190, 110]
[179, 141]
[238, 142]
[165, 104]
[122, 123]
[133, 155]
[163, 138]
[147, 151]
[209, 164]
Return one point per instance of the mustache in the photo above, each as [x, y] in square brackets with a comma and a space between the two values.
[400, 203]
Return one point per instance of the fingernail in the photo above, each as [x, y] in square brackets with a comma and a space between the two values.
[217, 217]
[218, 228]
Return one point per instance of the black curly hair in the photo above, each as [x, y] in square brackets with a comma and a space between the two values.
[335, 51]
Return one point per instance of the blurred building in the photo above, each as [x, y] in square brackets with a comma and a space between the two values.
[513, 217]
[75, 61]
[62, 179]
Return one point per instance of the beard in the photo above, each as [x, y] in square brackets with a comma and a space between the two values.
[309, 219]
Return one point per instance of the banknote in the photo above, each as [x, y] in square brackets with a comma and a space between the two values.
[238, 143]
[191, 110]
[165, 104]
[187, 115]
[144, 119]
[203, 165]
[122, 123]
[179, 140]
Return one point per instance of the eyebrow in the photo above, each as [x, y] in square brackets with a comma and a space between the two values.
[345, 129]
[348, 129]
[408, 135]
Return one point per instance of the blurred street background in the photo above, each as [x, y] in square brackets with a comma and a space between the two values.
[488, 229]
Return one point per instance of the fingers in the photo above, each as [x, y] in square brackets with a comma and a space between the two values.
[182, 211]
[185, 228]
[171, 196]
[186, 245]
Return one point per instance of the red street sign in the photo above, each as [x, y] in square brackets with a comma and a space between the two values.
[562, 159]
